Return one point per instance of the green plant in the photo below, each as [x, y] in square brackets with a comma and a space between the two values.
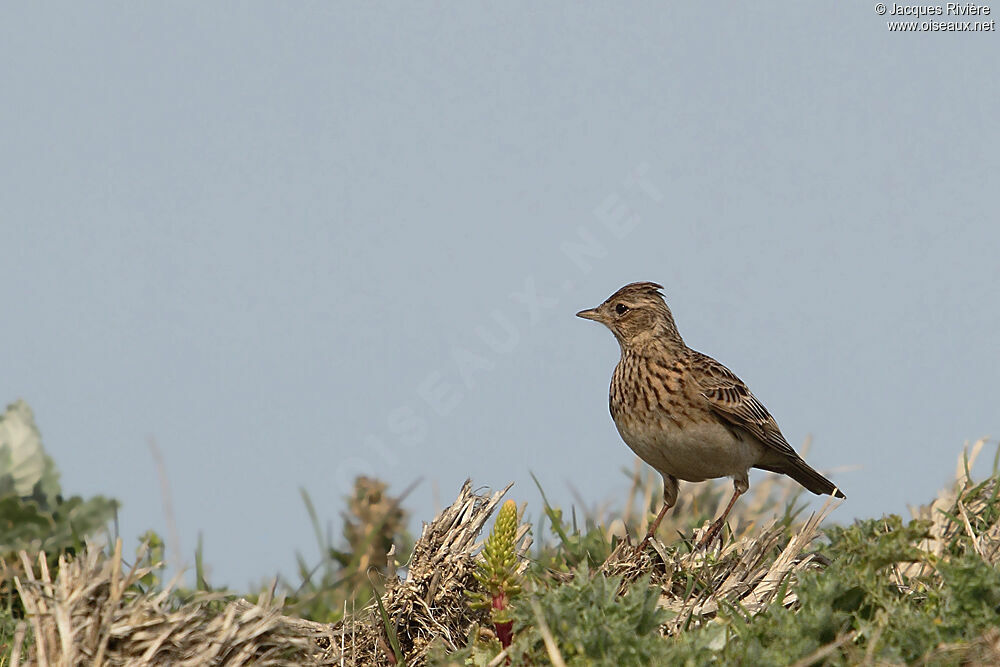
[497, 574]
[925, 590]
[34, 515]
[590, 546]
[374, 524]
[591, 624]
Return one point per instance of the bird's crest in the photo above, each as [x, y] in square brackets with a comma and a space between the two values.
[644, 288]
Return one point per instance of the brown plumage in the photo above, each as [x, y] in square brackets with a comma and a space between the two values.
[684, 413]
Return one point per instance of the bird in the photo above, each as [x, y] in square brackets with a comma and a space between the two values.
[683, 412]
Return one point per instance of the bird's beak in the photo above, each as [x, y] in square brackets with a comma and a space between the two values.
[589, 315]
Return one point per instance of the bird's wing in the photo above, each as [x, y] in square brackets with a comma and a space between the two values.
[731, 400]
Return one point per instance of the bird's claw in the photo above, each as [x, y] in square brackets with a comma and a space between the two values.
[715, 530]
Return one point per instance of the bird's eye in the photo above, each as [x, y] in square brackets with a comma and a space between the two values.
[621, 309]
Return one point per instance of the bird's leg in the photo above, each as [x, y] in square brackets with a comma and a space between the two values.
[653, 526]
[714, 529]
[669, 500]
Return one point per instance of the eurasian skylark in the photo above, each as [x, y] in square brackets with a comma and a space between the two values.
[684, 413]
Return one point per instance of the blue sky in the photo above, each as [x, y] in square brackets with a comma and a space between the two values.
[291, 243]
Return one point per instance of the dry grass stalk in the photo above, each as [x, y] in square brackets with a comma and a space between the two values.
[953, 514]
[746, 573]
[94, 612]
[430, 603]
[984, 651]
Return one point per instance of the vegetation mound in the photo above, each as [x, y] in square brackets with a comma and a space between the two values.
[780, 589]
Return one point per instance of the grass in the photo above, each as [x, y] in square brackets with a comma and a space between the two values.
[785, 587]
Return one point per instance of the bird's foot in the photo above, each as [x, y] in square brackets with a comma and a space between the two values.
[642, 545]
[715, 530]
[649, 535]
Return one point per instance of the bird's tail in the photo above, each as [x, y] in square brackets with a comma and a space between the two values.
[804, 474]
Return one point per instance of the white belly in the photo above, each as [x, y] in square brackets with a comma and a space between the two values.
[699, 452]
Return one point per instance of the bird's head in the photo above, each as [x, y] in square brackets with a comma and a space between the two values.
[637, 315]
